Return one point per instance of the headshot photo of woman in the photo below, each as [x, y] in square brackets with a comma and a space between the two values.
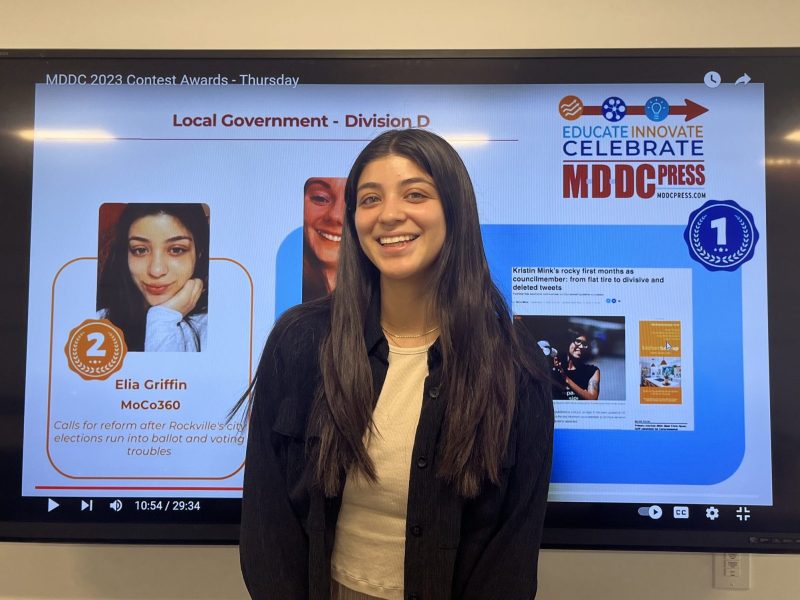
[323, 213]
[578, 348]
[401, 428]
[581, 380]
[153, 275]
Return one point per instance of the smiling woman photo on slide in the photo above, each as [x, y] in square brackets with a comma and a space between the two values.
[323, 212]
[153, 284]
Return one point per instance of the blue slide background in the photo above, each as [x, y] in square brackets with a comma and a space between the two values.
[707, 455]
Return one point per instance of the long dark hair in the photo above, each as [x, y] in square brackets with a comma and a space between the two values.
[481, 353]
[118, 295]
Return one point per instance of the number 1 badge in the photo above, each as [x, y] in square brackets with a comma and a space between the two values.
[721, 235]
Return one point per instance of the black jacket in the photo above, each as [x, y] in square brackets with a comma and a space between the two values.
[478, 549]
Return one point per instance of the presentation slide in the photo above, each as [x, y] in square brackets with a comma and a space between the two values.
[172, 224]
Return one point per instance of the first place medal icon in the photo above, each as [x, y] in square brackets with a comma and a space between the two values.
[721, 235]
[96, 349]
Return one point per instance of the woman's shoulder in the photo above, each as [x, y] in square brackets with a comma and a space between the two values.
[535, 414]
[534, 392]
[289, 372]
[309, 318]
[300, 330]
[199, 317]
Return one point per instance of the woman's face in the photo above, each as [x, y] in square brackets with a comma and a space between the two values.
[578, 347]
[323, 211]
[399, 217]
[161, 256]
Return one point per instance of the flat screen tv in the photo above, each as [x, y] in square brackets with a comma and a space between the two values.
[638, 209]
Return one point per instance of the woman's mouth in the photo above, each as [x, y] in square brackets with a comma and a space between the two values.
[156, 290]
[395, 241]
[331, 237]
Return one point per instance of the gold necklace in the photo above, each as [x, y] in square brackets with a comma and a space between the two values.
[408, 337]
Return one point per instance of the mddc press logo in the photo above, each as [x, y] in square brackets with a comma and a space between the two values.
[608, 152]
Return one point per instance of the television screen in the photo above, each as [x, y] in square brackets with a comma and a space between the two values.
[638, 208]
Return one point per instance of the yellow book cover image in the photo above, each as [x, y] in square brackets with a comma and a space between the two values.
[660, 362]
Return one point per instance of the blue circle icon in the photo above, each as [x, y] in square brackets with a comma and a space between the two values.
[614, 109]
[656, 109]
[721, 235]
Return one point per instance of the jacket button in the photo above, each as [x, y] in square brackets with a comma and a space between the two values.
[434, 392]
[416, 530]
[422, 462]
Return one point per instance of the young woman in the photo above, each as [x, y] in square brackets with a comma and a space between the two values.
[401, 435]
[579, 380]
[323, 211]
[154, 283]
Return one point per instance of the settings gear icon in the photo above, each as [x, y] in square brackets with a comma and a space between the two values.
[712, 513]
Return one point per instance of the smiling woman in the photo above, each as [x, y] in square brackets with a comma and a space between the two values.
[399, 219]
[400, 436]
[323, 211]
[153, 281]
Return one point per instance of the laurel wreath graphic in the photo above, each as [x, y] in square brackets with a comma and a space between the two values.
[88, 370]
[729, 259]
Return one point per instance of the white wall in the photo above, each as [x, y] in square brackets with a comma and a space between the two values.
[29, 571]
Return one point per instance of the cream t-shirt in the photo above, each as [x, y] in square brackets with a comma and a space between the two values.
[369, 547]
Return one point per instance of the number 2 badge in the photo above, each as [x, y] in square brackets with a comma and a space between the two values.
[96, 349]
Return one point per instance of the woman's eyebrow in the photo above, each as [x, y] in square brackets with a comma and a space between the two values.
[369, 185]
[177, 238]
[413, 180]
[409, 181]
[319, 182]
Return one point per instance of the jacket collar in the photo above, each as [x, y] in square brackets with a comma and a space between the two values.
[373, 334]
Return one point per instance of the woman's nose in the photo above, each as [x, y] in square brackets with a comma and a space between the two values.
[158, 265]
[392, 210]
[335, 213]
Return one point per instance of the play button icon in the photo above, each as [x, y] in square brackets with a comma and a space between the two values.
[52, 505]
[655, 512]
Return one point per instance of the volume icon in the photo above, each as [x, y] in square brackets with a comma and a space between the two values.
[116, 505]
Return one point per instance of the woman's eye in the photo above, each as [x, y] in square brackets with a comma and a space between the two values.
[367, 200]
[416, 196]
[138, 250]
[319, 199]
[178, 250]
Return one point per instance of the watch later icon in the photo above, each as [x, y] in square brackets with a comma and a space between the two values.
[712, 79]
